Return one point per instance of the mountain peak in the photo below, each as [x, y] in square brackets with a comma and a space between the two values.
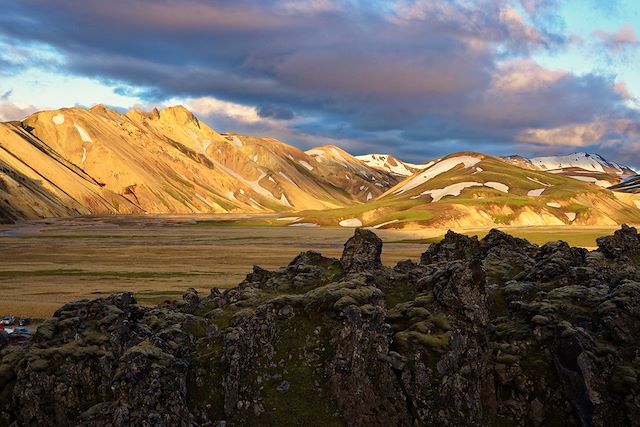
[333, 152]
[179, 113]
[389, 163]
[588, 161]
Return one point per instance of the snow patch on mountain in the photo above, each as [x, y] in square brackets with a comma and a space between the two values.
[236, 141]
[536, 193]
[449, 190]
[389, 163]
[437, 169]
[497, 186]
[599, 182]
[285, 201]
[58, 119]
[386, 223]
[83, 134]
[284, 175]
[305, 164]
[352, 222]
[538, 181]
[586, 161]
[205, 201]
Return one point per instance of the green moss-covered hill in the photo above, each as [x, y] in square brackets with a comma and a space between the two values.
[476, 190]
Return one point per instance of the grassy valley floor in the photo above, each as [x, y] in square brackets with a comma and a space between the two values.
[44, 264]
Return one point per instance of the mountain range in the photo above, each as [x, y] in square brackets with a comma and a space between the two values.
[99, 161]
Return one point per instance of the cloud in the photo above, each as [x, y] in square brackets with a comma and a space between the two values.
[212, 107]
[410, 76]
[624, 38]
[605, 132]
[10, 110]
[14, 111]
[274, 112]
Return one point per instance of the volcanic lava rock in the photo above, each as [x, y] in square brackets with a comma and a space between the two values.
[623, 244]
[453, 247]
[362, 252]
[487, 332]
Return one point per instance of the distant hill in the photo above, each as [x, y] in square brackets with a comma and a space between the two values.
[587, 167]
[477, 190]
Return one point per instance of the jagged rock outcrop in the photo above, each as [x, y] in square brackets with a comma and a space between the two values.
[486, 332]
[362, 252]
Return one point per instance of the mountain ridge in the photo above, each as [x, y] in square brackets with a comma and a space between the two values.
[98, 161]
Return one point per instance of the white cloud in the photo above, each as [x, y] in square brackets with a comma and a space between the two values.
[213, 107]
[603, 132]
[10, 110]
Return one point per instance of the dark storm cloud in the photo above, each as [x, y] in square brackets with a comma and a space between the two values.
[274, 112]
[418, 75]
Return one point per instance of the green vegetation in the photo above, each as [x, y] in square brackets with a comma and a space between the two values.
[307, 397]
[503, 208]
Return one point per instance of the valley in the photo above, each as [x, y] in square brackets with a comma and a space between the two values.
[154, 202]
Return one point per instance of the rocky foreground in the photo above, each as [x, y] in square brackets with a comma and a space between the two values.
[495, 332]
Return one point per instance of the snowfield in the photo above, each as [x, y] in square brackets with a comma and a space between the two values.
[456, 189]
[586, 161]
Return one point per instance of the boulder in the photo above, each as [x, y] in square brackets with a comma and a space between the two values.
[362, 252]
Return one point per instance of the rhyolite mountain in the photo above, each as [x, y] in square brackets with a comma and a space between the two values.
[467, 190]
[98, 161]
[491, 332]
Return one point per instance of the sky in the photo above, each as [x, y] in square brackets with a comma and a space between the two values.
[414, 78]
